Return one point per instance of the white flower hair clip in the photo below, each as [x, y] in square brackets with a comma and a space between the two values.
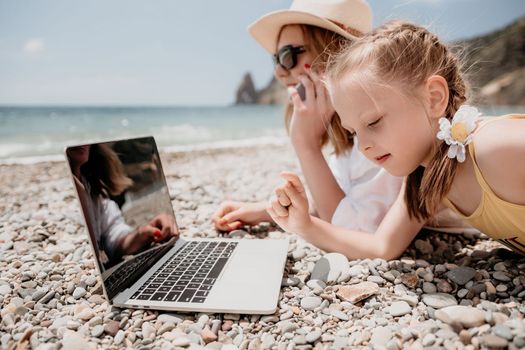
[458, 134]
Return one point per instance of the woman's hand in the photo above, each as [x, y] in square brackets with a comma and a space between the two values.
[289, 207]
[161, 228]
[233, 215]
[312, 116]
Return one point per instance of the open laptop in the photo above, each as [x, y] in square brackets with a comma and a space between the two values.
[141, 255]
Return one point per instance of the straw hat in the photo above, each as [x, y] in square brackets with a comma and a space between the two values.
[350, 18]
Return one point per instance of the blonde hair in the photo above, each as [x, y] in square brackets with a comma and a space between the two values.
[406, 55]
[323, 44]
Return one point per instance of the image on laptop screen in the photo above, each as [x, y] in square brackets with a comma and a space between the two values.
[125, 201]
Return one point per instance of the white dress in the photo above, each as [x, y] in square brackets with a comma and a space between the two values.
[369, 191]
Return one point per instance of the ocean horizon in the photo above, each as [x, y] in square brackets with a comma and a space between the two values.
[30, 134]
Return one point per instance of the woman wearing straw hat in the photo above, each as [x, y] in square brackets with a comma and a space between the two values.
[348, 190]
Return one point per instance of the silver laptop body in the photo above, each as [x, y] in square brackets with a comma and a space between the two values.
[143, 261]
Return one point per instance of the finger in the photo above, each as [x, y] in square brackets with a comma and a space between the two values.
[230, 217]
[296, 99]
[294, 179]
[282, 197]
[222, 226]
[279, 209]
[273, 215]
[234, 225]
[224, 208]
[298, 200]
[157, 235]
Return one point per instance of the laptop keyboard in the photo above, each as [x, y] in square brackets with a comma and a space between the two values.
[120, 276]
[188, 275]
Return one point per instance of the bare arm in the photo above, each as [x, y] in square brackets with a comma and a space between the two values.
[325, 190]
[233, 215]
[393, 236]
[307, 127]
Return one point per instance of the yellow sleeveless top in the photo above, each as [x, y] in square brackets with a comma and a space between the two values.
[499, 219]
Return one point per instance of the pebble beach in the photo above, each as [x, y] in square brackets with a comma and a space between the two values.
[447, 291]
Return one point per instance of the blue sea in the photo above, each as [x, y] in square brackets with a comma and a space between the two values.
[32, 134]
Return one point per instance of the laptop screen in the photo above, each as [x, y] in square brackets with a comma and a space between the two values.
[127, 207]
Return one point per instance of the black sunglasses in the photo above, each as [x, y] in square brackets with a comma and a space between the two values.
[286, 57]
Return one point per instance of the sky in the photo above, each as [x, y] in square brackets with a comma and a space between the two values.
[173, 52]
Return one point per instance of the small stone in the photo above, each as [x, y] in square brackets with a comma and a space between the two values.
[412, 300]
[119, 337]
[38, 294]
[227, 325]
[339, 314]
[491, 290]
[86, 314]
[399, 308]
[148, 331]
[290, 281]
[181, 341]
[298, 254]
[79, 292]
[423, 246]
[502, 331]
[465, 336]
[428, 340]
[429, 288]
[501, 288]
[409, 279]
[312, 337]
[310, 303]
[312, 284]
[208, 336]
[97, 331]
[49, 295]
[500, 266]
[461, 275]
[467, 316]
[462, 293]
[97, 299]
[380, 336]
[439, 300]
[501, 276]
[444, 287]
[73, 340]
[91, 281]
[493, 341]
[357, 292]
[287, 327]
[376, 279]
[330, 267]
[167, 318]
[519, 341]
[111, 327]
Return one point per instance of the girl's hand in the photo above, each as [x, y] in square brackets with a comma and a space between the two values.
[233, 215]
[289, 207]
[312, 116]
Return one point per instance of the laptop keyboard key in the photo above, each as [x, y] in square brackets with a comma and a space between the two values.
[202, 293]
[216, 271]
[187, 295]
[172, 296]
[158, 296]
